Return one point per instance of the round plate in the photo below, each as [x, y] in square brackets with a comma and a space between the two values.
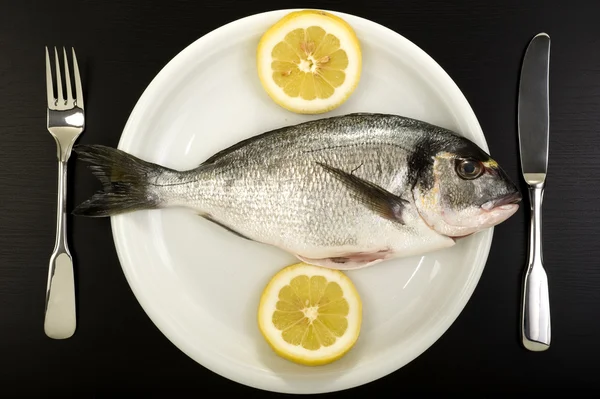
[201, 285]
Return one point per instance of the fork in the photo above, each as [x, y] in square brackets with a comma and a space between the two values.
[65, 121]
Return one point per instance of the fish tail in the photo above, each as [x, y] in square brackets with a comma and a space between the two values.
[125, 180]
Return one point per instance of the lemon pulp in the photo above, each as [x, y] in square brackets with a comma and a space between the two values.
[309, 63]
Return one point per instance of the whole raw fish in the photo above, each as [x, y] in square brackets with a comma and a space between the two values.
[341, 192]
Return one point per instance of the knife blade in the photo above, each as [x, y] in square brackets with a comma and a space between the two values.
[533, 127]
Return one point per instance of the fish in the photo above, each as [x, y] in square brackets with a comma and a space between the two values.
[343, 192]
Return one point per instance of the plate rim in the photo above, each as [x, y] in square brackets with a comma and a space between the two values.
[424, 342]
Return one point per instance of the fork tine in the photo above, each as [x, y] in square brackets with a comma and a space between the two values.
[59, 90]
[49, 88]
[78, 90]
[68, 79]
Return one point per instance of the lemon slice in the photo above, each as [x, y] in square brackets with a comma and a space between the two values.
[310, 315]
[309, 62]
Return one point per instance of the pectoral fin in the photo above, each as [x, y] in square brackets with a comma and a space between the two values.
[379, 200]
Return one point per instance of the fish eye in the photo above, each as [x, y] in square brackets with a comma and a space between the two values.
[469, 169]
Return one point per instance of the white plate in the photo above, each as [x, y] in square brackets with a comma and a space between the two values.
[201, 284]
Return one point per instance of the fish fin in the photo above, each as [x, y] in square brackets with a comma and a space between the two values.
[354, 261]
[237, 233]
[125, 180]
[381, 201]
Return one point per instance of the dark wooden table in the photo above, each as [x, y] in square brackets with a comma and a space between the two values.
[123, 44]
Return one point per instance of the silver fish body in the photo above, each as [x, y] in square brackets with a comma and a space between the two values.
[342, 192]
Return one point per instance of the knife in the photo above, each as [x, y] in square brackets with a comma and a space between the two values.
[533, 120]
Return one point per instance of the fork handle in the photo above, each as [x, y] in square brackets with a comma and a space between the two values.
[60, 318]
[535, 318]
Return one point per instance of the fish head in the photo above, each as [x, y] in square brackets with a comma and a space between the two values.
[461, 190]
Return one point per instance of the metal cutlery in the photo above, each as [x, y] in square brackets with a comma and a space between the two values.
[533, 120]
[65, 121]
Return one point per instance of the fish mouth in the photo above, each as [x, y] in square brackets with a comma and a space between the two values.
[506, 201]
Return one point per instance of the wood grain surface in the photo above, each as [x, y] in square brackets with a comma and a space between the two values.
[121, 46]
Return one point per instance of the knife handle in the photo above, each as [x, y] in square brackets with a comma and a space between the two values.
[535, 317]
